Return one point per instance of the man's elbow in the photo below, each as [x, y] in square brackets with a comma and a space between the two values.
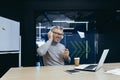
[39, 52]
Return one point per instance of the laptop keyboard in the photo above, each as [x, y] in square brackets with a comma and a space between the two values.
[90, 66]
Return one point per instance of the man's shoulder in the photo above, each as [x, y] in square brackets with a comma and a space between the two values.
[60, 44]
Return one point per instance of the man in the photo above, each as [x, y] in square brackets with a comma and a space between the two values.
[53, 52]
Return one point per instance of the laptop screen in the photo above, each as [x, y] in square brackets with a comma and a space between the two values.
[102, 59]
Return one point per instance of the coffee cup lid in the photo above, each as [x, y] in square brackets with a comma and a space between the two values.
[76, 58]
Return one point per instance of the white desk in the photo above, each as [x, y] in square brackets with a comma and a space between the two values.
[58, 73]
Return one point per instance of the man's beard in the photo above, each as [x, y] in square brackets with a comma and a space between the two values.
[56, 41]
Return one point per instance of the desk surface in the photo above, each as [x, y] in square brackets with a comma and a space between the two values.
[58, 73]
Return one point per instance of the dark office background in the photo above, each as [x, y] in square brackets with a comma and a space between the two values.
[108, 18]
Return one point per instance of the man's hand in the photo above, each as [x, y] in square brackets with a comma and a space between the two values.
[66, 53]
[50, 35]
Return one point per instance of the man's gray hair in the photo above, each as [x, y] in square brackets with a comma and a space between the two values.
[57, 27]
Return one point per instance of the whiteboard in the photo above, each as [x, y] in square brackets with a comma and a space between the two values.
[9, 35]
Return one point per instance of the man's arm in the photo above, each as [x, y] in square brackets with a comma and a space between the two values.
[42, 50]
[66, 55]
[67, 59]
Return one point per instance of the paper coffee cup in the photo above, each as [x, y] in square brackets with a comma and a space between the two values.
[76, 61]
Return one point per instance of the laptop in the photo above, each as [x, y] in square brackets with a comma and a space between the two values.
[94, 67]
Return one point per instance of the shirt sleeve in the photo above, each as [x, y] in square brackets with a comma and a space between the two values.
[67, 59]
[42, 50]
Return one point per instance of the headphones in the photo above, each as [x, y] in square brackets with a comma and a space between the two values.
[56, 27]
[62, 37]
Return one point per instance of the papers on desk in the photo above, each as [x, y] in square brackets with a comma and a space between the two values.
[114, 71]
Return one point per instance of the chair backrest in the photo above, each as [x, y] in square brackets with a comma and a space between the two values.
[41, 61]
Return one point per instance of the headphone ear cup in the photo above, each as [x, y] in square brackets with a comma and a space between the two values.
[62, 37]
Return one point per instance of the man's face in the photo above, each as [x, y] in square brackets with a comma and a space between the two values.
[57, 35]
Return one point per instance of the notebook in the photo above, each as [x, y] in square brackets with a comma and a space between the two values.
[94, 67]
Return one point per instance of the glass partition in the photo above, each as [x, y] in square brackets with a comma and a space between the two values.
[80, 35]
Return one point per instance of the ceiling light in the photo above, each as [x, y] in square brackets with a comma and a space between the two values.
[66, 21]
[70, 21]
